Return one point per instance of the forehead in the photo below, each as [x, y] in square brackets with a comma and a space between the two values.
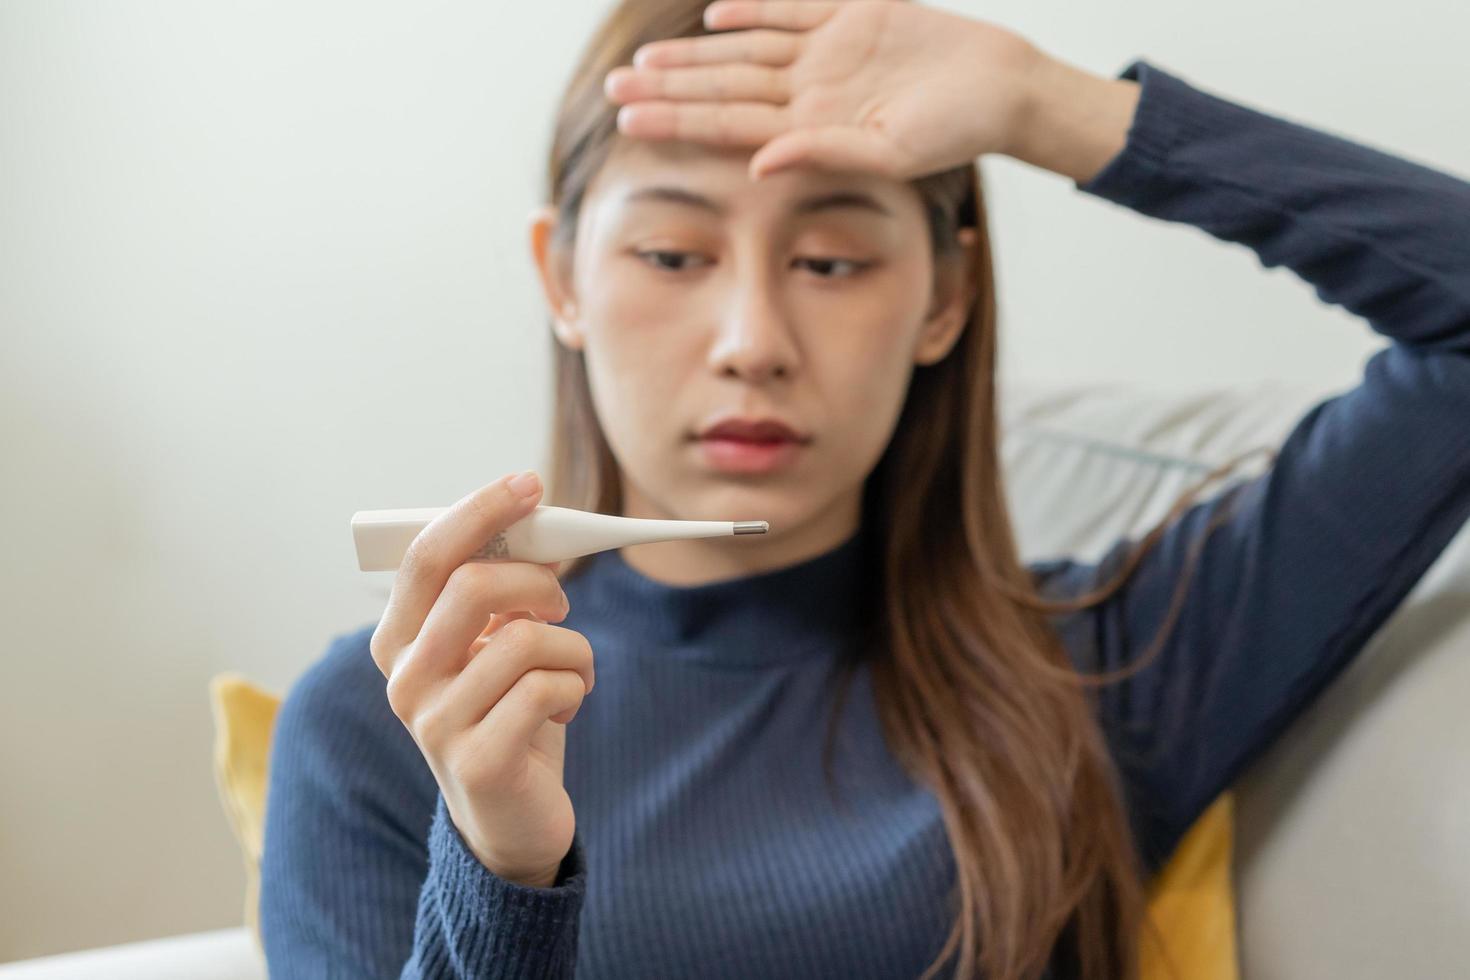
[646, 175]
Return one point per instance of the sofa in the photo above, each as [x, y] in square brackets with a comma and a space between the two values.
[1351, 855]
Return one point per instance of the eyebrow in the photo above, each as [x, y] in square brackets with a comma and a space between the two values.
[831, 201]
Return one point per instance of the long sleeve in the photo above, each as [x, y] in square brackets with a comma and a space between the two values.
[364, 874]
[1367, 489]
[473, 923]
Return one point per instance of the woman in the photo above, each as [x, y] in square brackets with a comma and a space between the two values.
[872, 742]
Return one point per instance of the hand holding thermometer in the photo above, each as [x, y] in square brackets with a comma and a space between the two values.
[477, 665]
[547, 534]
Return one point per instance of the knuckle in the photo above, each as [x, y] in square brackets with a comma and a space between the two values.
[523, 657]
[465, 580]
[420, 562]
[554, 587]
[586, 659]
[550, 691]
[398, 697]
[493, 508]
[518, 636]
[427, 729]
[378, 648]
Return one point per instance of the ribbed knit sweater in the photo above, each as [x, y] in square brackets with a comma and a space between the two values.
[707, 841]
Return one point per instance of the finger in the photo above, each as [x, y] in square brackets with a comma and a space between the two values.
[838, 148]
[725, 83]
[435, 552]
[504, 736]
[498, 620]
[411, 695]
[717, 123]
[774, 48]
[512, 652]
[786, 15]
[475, 591]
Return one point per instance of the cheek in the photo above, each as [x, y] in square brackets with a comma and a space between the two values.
[633, 323]
[865, 370]
[862, 345]
[636, 369]
[868, 390]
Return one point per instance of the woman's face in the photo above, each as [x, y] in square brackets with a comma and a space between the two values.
[697, 295]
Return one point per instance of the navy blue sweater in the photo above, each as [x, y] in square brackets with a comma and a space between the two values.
[707, 843]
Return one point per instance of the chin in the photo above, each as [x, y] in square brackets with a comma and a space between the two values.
[754, 500]
[785, 500]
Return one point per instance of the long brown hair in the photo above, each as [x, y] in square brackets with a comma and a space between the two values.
[975, 692]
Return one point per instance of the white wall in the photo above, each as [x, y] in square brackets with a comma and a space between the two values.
[264, 265]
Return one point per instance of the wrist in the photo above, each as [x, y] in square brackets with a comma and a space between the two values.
[528, 877]
[544, 880]
[1074, 122]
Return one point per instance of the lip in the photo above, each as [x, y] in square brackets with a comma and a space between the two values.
[741, 456]
[748, 429]
[741, 444]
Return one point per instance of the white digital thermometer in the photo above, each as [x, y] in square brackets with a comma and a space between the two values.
[546, 534]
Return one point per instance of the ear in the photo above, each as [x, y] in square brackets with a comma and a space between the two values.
[554, 266]
[954, 295]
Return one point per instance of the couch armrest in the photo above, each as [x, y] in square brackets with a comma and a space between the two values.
[224, 954]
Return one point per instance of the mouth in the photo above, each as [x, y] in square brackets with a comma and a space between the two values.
[753, 430]
[750, 445]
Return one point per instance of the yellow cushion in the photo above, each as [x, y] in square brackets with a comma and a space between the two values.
[1191, 903]
[244, 717]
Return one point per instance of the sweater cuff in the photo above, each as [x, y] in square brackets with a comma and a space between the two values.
[496, 927]
[1169, 111]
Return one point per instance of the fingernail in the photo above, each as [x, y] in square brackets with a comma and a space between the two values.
[525, 484]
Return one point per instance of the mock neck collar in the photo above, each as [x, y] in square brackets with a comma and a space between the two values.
[807, 609]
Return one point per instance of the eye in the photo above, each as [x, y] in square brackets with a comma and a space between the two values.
[816, 262]
[665, 253]
[659, 259]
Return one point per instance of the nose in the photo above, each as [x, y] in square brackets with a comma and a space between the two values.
[753, 338]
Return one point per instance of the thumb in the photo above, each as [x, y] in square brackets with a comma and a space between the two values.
[824, 147]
